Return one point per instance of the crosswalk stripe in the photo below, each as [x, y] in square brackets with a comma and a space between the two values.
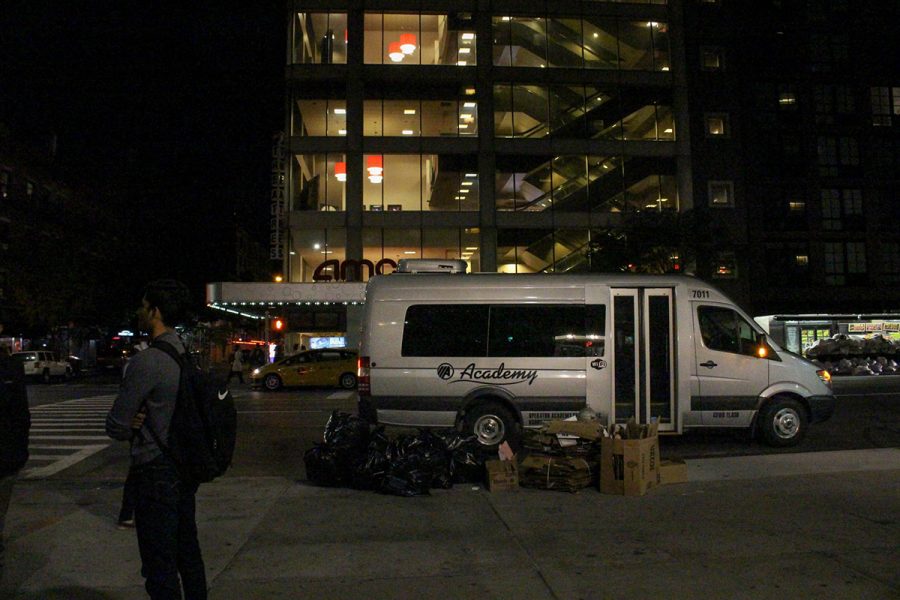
[64, 463]
[65, 433]
[69, 437]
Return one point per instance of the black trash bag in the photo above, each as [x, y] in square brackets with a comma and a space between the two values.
[406, 477]
[467, 456]
[322, 466]
[347, 431]
[371, 471]
[434, 457]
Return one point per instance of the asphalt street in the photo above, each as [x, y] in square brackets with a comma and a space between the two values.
[816, 521]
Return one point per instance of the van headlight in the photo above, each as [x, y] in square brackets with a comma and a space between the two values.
[256, 371]
[825, 376]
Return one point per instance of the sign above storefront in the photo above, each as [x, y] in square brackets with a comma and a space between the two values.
[340, 270]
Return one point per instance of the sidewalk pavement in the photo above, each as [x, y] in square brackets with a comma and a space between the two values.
[815, 525]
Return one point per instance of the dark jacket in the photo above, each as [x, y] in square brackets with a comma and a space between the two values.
[15, 419]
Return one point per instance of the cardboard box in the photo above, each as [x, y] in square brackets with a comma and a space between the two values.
[502, 475]
[629, 466]
[672, 471]
[589, 430]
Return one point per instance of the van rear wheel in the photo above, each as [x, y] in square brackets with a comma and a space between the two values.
[783, 422]
[492, 424]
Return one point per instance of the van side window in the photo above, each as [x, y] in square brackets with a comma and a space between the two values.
[725, 330]
[445, 330]
[541, 330]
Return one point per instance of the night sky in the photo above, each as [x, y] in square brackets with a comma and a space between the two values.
[171, 107]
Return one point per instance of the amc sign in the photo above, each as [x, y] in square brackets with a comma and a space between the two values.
[351, 270]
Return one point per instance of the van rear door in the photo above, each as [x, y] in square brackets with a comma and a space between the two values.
[729, 374]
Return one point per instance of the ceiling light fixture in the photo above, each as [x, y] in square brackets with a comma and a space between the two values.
[394, 52]
[407, 43]
[375, 167]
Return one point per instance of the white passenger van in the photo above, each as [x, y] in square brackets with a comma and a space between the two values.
[493, 353]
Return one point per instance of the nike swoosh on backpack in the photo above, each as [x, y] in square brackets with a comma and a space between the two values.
[222, 395]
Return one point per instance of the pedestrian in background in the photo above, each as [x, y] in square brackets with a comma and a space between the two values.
[15, 421]
[165, 508]
[237, 365]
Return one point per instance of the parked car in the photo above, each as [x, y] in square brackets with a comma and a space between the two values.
[315, 367]
[43, 365]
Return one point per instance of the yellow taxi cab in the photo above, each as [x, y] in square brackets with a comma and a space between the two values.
[314, 367]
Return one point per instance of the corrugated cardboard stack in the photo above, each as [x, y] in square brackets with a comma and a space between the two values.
[563, 455]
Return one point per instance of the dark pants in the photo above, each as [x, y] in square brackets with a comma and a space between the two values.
[129, 498]
[166, 523]
[238, 374]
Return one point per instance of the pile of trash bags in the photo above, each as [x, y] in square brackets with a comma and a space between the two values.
[355, 455]
[842, 345]
[879, 365]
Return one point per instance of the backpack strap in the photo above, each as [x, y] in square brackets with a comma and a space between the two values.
[178, 358]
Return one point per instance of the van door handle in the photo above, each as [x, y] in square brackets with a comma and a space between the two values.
[709, 364]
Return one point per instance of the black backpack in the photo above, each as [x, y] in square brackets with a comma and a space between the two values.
[204, 423]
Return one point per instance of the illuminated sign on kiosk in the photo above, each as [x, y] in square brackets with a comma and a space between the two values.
[354, 267]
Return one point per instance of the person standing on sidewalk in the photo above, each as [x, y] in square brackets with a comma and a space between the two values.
[237, 365]
[165, 505]
[15, 421]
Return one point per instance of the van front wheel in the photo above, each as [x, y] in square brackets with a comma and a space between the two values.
[492, 424]
[783, 422]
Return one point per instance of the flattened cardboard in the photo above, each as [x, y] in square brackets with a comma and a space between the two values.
[502, 475]
[672, 471]
[629, 467]
[589, 430]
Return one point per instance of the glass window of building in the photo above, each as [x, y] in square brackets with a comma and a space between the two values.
[717, 125]
[319, 38]
[317, 182]
[601, 43]
[318, 117]
[712, 59]
[725, 266]
[721, 194]
[856, 262]
[420, 39]
[404, 182]
[890, 262]
[525, 250]
[520, 41]
[521, 111]
[834, 263]
[565, 46]
[388, 246]
[881, 105]
[427, 118]
[317, 254]
[636, 44]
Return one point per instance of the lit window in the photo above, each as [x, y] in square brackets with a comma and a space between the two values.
[796, 206]
[787, 99]
[711, 59]
[717, 125]
[725, 266]
[721, 194]
[801, 260]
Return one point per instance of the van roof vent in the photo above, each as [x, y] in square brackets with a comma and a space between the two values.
[426, 265]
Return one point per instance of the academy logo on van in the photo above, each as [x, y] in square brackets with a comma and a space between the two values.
[492, 376]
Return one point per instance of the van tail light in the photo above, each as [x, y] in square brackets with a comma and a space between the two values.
[363, 382]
